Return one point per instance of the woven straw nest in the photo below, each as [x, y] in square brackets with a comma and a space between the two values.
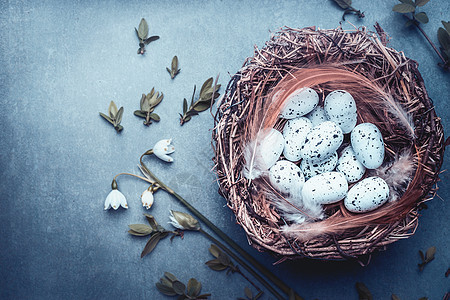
[361, 52]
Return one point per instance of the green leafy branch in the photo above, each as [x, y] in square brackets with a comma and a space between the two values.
[148, 104]
[408, 7]
[208, 93]
[115, 116]
[173, 71]
[427, 257]
[142, 34]
[169, 285]
[156, 232]
[348, 9]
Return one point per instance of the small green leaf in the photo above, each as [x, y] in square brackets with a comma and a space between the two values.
[143, 29]
[187, 119]
[202, 106]
[185, 106]
[143, 97]
[178, 287]
[175, 63]
[216, 265]
[409, 23]
[394, 297]
[421, 17]
[151, 39]
[119, 116]
[225, 259]
[429, 255]
[136, 233]
[215, 251]
[168, 70]
[151, 244]
[151, 220]
[112, 110]
[170, 276]
[446, 26]
[165, 289]
[421, 2]
[140, 113]
[248, 293]
[141, 228]
[408, 2]
[207, 84]
[363, 291]
[344, 4]
[107, 118]
[404, 8]
[155, 117]
[444, 38]
[193, 287]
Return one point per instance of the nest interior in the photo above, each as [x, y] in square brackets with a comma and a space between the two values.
[359, 51]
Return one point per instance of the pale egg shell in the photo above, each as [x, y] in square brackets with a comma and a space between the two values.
[299, 103]
[325, 188]
[367, 195]
[287, 177]
[294, 133]
[368, 145]
[350, 166]
[322, 141]
[317, 116]
[271, 148]
[340, 107]
[311, 169]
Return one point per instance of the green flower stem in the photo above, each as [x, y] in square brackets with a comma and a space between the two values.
[242, 263]
[263, 270]
[137, 176]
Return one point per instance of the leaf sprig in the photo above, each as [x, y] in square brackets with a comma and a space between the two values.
[156, 232]
[115, 116]
[221, 262]
[169, 285]
[409, 6]
[208, 93]
[427, 257]
[444, 39]
[173, 71]
[148, 104]
[348, 9]
[142, 34]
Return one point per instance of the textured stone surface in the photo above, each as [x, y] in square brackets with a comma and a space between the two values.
[60, 64]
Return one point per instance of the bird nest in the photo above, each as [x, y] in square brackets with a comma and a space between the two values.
[342, 234]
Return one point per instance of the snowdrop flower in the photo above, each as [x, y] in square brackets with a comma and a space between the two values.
[183, 221]
[115, 198]
[162, 148]
[147, 198]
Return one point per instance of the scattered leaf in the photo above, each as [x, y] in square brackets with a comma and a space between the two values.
[151, 220]
[143, 29]
[429, 255]
[404, 8]
[363, 291]
[178, 287]
[165, 289]
[215, 251]
[151, 244]
[170, 276]
[421, 2]
[344, 4]
[115, 116]
[444, 38]
[147, 106]
[173, 71]
[193, 287]
[141, 228]
[421, 17]
[142, 33]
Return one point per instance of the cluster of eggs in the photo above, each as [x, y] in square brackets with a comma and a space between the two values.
[313, 170]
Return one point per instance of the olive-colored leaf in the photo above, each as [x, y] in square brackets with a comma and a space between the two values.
[165, 281]
[137, 233]
[155, 117]
[248, 293]
[363, 291]
[140, 113]
[170, 276]
[422, 256]
[178, 287]
[207, 84]
[112, 110]
[225, 259]
[216, 265]
[141, 228]
[175, 63]
[408, 2]
[394, 297]
[201, 106]
[214, 250]
[191, 113]
[444, 38]
[409, 23]
[185, 106]
[421, 2]
[119, 116]
[107, 118]
[344, 4]
[421, 17]
[152, 92]
[170, 72]
[165, 289]
[143, 29]
[137, 34]
[151, 39]
[193, 287]
[429, 255]
[187, 119]
[156, 100]
[446, 26]
[143, 97]
[403, 8]
[151, 220]
[151, 244]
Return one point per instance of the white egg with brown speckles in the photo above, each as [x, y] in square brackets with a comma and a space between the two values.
[294, 133]
[322, 141]
[367, 195]
[299, 103]
[350, 166]
[340, 107]
[311, 169]
[286, 177]
[317, 116]
[368, 144]
[325, 188]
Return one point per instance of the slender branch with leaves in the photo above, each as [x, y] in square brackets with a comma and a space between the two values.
[173, 71]
[115, 116]
[142, 34]
[346, 5]
[147, 104]
[427, 257]
[169, 285]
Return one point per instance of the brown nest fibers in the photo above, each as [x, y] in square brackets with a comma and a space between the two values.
[389, 92]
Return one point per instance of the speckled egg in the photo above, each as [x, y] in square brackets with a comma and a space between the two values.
[299, 103]
[340, 107]
[367, 195]
[294, 133]
[325, 188]
[317, 116]
[350, 166]
[322, 141]
[286, 177]
[368, 145]
[311, 169]
[271, 148]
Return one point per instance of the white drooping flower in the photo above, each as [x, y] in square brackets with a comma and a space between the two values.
[162, 148]
[147, 199]
[115, 198]
[183, 221]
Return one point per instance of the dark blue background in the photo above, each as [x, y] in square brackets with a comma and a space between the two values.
[62, 63]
